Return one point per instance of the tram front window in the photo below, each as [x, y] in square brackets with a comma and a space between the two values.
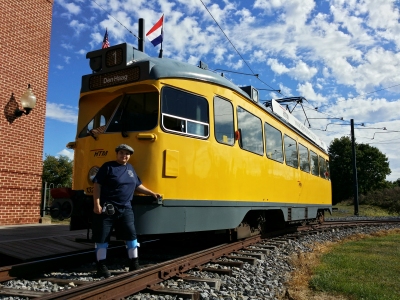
[97, 125]
[137, 112]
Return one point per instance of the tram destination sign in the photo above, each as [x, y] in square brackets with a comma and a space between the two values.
[100, 81]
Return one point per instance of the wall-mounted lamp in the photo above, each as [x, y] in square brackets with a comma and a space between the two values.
[28, 102]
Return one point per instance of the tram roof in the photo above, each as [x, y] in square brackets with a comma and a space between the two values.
[170, 68]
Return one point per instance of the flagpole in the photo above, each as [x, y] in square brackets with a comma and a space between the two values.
[160, 54]
[162, 38]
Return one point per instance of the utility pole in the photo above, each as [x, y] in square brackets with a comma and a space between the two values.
[353, 150]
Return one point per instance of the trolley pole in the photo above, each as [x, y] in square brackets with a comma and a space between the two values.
[141, 35]
[353, 150]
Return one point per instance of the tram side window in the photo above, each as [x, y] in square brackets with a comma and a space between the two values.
[273, 143]
[322, 167]
[291, 155]
[223, 121]
[328, 171]
[184, 113]
[98, 123]
[314, 163]
[304, 159]
[137, 112]
[250, 128]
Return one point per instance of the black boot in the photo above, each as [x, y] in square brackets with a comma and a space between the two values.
[102, 270]
[134, 264]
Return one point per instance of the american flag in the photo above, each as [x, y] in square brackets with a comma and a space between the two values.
[106, 44]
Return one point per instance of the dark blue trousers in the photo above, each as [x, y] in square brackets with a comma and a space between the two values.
[122, 221]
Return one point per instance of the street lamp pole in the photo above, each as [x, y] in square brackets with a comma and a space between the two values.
[353, 149]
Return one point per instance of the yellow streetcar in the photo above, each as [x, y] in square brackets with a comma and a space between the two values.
[221, 159]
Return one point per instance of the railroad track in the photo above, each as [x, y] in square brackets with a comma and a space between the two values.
[360, 222]
[150, 278]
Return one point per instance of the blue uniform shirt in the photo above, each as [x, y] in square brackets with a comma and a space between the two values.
[118, 183]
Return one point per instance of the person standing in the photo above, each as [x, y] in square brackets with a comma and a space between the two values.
[114, 186]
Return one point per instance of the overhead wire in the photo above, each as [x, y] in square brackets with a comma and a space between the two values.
[116, 20]
[256, 75]
[382, 89]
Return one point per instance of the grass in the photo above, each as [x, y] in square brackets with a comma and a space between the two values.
[60, 222]
[346, 209]
[360, 267]
[364, 269]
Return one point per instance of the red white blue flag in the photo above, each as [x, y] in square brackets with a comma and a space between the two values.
[106, 44]
[155, 34]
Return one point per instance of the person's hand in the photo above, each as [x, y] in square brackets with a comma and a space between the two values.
[97, 209]
[155, 195]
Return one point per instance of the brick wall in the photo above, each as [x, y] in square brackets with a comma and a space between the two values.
[25, 50]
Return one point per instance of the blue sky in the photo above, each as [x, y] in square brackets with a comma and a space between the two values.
[341, 55]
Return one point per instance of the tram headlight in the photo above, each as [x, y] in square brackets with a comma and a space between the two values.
[92, 173]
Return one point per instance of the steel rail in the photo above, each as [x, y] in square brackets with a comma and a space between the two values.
[366, 221]
[120, 286]
[335, 223]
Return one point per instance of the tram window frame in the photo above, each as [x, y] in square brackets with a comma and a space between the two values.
[322, 167]
[247, 133]
[314, 167]
[224, 121]
[179, 119]
[286, 150]
[304, 163]
[270, 139]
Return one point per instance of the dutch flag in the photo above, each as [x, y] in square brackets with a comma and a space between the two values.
[155, 34]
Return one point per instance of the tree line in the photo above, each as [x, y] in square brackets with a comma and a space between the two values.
[57, 170]
[372, 169]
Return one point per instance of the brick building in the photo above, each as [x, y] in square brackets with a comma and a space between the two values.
[25, 52]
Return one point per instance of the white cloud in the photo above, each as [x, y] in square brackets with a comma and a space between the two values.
[66, 46]
[371, 110]
[96, 40]
[277, 67]
[71, 7]
[61, 112]
[307, 91]
[68, 153]
[301, 71]
[77, 26]
[285, 90]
